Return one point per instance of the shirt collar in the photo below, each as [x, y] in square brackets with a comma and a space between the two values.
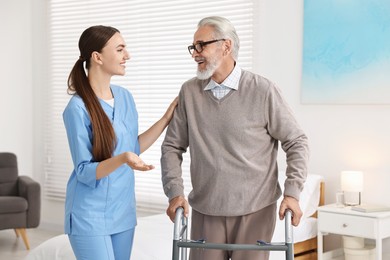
[231, 81]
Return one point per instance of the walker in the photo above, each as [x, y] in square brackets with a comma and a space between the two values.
[181, 242]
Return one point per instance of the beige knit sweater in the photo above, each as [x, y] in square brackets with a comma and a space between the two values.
[233, 147]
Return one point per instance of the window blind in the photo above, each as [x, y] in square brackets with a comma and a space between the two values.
[157, 34]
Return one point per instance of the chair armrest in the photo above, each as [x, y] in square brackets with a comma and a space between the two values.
[31, 191]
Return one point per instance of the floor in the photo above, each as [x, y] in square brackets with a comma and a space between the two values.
[12, 248]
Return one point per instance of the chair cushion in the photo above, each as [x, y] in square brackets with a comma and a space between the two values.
[11, 204]
[8, 167]
[8, 174]
[9, 189]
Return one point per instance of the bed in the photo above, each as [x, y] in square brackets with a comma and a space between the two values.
[153, 238]
[305, 247]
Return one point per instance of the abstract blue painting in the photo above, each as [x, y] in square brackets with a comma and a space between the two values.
[346, 52]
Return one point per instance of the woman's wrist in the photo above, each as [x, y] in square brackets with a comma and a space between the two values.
[123, 158]
[165, 120]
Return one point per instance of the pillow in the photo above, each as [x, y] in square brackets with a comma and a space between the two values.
[310, 195]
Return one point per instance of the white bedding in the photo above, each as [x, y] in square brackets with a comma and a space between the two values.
[153, 238]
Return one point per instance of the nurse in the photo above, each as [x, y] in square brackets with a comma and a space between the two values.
[101, 122]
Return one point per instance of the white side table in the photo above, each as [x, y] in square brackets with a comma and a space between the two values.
[344, 221]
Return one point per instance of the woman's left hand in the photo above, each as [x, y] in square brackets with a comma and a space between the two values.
[169, 113]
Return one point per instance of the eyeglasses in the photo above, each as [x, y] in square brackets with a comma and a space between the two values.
[198, 47]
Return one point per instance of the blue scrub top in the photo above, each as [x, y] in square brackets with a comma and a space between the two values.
[105, 206]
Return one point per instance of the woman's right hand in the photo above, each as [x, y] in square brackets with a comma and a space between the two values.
[136, 163]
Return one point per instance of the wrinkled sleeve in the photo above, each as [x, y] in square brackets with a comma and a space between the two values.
[283, 126]
[172, 149]
[77, 125]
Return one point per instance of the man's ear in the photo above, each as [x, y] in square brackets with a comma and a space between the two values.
[227, 45]
[95, 56]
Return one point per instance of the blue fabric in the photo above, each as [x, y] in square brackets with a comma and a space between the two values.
[105, 206]
[111, 247]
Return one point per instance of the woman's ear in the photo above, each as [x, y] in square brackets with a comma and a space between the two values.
[95, 56]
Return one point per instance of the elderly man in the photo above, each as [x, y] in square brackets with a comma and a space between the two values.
[232, 120]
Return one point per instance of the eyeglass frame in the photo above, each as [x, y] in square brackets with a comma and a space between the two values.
[201, 44]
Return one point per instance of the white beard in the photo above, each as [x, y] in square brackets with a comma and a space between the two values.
[209, 70]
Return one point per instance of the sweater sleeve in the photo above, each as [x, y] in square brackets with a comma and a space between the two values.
[172, 149]
[283, 126]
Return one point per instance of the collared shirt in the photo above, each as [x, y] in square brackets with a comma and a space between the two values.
[230, 83]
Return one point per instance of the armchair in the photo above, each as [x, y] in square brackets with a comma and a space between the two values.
[20, 198]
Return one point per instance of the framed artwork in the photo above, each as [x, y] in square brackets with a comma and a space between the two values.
[346, 52]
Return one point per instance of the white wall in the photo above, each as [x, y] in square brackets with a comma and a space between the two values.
[341, 136]
[16, 102]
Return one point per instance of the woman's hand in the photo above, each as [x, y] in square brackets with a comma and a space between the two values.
[169, 113]
[147, 138]
[133, 161]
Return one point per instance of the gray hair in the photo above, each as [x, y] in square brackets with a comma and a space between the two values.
[223, 29]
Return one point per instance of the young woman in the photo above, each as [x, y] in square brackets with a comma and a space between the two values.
[102, 127]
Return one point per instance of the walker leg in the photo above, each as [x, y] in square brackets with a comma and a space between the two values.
[175, 250]
[290, 252]
[289, 235]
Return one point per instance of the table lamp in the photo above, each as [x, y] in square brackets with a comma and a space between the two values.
[351, 185]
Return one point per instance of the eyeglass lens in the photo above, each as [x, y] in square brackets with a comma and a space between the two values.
[200, 45]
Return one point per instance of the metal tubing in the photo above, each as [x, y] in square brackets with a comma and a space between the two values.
[177, 233]
[184, 236]
[270, 247]
[288, 227]
[175, 250]
[289, 235]
[177, 224]
[290, 252]
[181, 243]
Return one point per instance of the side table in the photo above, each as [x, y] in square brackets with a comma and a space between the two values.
[344, 221]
